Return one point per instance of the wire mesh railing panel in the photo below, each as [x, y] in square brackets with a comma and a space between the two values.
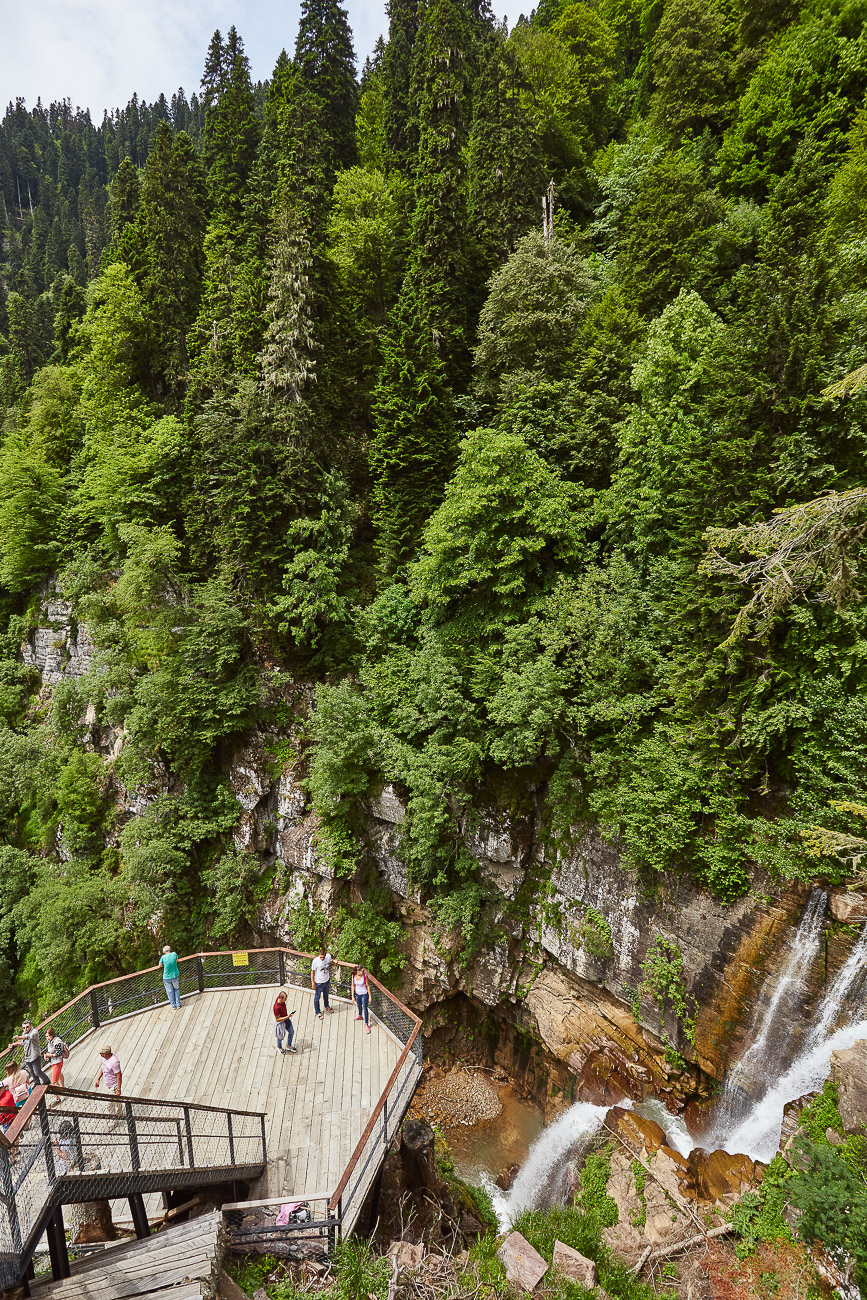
[136, 992]
[241, 970]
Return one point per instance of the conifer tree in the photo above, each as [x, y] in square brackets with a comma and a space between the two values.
[231, 124]
[287, 361]
[325, 60]
[401, 136]
[125, 195]
[436, 283]
[414, 443]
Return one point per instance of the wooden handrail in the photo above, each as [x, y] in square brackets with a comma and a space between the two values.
[22, 1118]
[152, 1101]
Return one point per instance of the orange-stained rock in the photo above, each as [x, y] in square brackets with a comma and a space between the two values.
[638, 1133]
[712, 1175]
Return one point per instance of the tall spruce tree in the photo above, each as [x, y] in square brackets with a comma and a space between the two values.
[231, 124]
[325, 61]
[401, 130]
[436, 283]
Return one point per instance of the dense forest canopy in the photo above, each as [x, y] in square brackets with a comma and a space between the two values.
[294, 388]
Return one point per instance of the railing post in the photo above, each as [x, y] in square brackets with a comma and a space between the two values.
[231, 1139]
[180, 1145]
[190, 1157]
[57, 1251]
[76, 1142]
[281, 965]
[385, 1123]
[264, 1148]
[9, 1198]
[200, 974]
[133, 1137]
[42, 1112]
[94, 1009]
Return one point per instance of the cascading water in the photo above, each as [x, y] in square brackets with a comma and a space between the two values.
[758, 1136]
[757, 1133]
[765, 1058]
[850, 985]
[542, 1177]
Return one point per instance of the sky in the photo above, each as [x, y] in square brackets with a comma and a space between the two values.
[97, 52]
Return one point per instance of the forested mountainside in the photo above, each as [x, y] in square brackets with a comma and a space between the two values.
[297, 389]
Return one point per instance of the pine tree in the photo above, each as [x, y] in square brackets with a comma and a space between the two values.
[436, 283]
[231, 125]
[325, 61]
[125, 195]
[287, 361]
[504, 175]
[401, 134]
[165, 245]
[414, 439]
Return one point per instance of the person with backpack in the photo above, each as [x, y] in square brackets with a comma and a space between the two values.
[171, 977]
[18, 1082]
[56, 1052]
[29, 1040]
[7, 1108]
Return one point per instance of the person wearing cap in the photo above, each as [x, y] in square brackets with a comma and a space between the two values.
[29, 1040]
[109, 1071]
[171, 977]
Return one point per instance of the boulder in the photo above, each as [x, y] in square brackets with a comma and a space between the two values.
[573, 1264]
[712, 1175]
[524, 1266]
[406, 1253]
[849, 1072]
[635, 1131]
[848, 907]
[506, 1177]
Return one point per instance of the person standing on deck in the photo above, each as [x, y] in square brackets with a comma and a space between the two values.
[29, 1040]
[171, 977]
[361, 992]
[56, 1052]
[283, 1026]
[320, 981]
[111, 1074]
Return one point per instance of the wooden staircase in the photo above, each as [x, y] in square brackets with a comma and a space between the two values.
[180, 1263]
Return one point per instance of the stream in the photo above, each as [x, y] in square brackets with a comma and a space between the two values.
[789, 1055]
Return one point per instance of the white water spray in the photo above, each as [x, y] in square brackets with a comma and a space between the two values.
[765, 1058]
[758, 1136]
[546, 1161]
[847, 982]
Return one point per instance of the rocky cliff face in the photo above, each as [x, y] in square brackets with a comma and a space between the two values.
[556, 997]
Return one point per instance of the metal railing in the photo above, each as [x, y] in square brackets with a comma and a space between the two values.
[67, 1146]
[200, 973]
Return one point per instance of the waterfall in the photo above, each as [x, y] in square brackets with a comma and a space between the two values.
[758, 1135]
[542, 1176]
[757, 1132]
[847, 981]
[765, 1057]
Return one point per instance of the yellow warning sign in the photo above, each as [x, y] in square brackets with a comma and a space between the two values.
[240, 959]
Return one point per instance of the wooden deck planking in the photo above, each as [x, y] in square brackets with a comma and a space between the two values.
[220, 1050]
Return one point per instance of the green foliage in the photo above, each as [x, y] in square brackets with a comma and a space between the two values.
[367, 938]
[832, 1199]
[664, 982]
[758, 1216]
[594, 933]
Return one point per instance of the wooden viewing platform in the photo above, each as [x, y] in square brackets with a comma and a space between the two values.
[194, 1082]
[220, 1050]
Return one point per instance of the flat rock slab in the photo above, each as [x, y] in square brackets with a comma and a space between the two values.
[572, 1263]
[849, 1072]
[525, 1267]
[407, 1254]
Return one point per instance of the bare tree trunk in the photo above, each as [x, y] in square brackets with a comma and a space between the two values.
[89, 1221]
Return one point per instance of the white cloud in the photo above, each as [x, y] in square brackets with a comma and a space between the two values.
[98, 52]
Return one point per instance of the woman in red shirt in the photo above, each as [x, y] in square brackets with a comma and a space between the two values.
[283, 1026]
